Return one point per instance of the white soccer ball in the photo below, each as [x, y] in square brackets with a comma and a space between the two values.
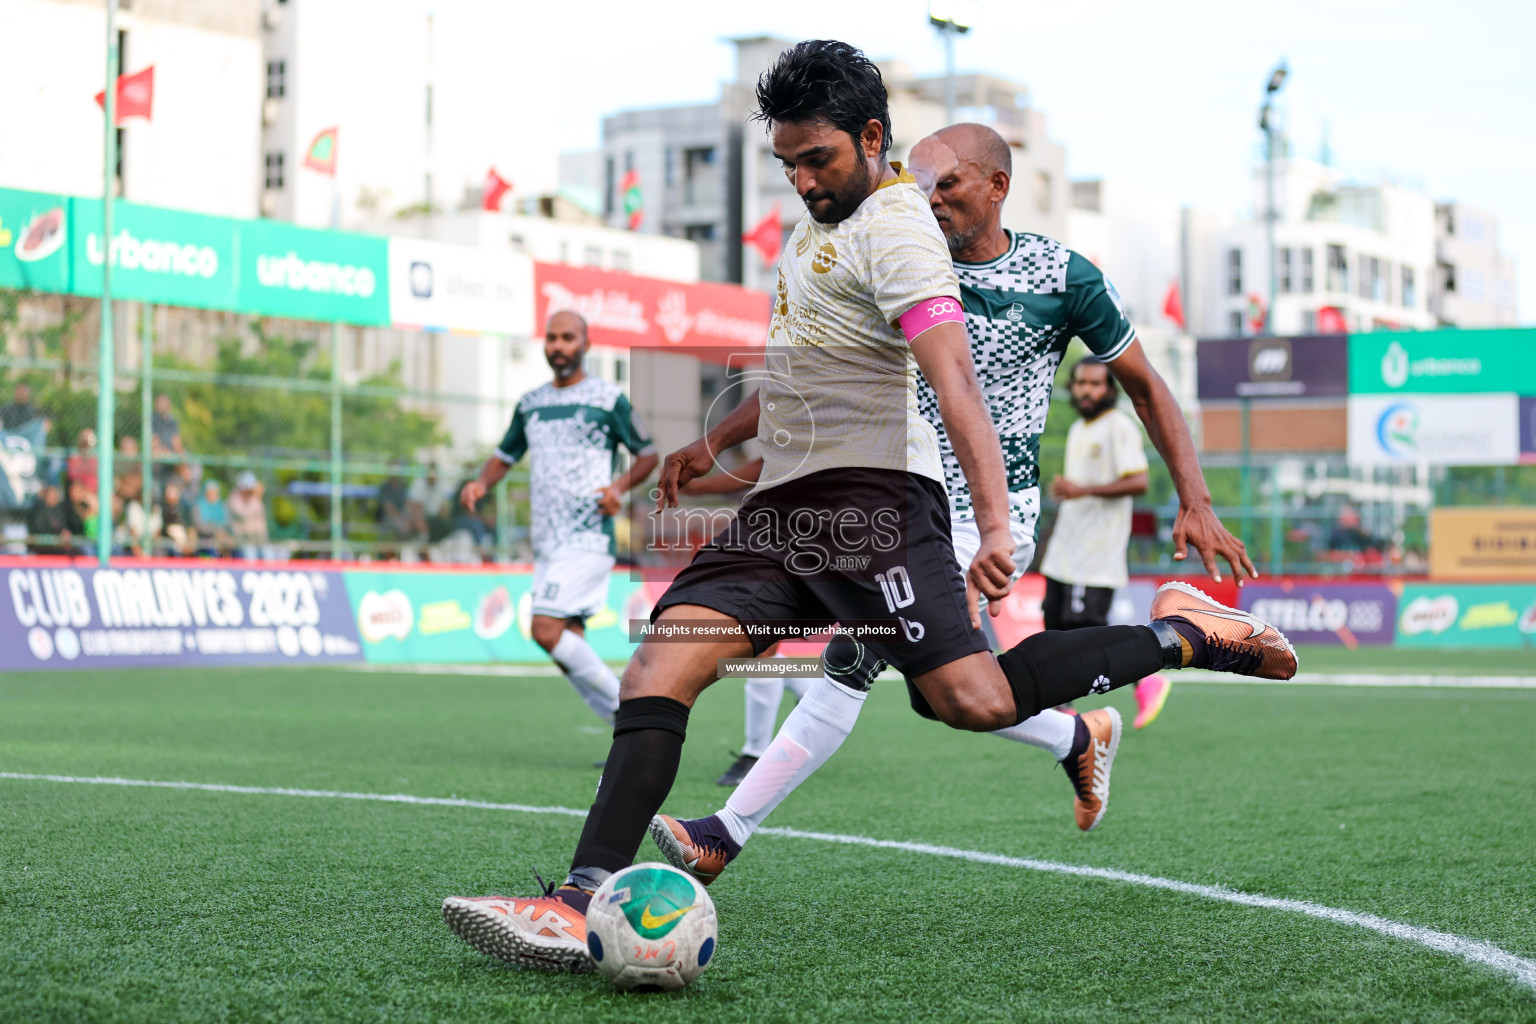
[651, 927]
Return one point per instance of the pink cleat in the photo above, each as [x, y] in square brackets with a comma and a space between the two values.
[1151, 695]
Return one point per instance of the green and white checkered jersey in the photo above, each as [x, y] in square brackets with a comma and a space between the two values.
[1021, 311]
[571, 436]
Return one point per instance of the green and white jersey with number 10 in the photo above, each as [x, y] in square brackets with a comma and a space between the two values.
[1021, 311]
[572, 436]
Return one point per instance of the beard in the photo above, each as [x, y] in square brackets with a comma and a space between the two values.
[1092, 411]
[845, 201]
[563, 369]
[959, 239]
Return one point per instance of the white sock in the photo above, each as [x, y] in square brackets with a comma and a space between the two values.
[1049, 730]
[588, 673]
[764, 695]
[811, 734]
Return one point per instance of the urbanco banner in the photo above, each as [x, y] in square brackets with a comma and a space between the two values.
[313, 275]
[54, 616]
[1442, 362]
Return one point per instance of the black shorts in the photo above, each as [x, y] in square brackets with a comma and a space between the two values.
[858, 545]
[1073, 606]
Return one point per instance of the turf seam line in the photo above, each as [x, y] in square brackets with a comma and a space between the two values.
[1474, 951]
[1366, 679]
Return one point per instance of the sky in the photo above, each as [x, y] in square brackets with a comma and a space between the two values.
[1435, 96]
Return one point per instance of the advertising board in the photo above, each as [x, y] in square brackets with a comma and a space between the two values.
[1483, 543]
[1437, 430]
[54, 616]
[1347, 614]
[34, 240]
[1442, 362]
[625, 311]
[442, 287]
[171, 256]
[1467, 615]
[475, 618]
[1306, 367]
[313, 275]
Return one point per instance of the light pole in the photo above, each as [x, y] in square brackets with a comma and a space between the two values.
[1267, 123]
[952, 18]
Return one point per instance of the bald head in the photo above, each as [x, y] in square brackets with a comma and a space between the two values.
[565, 345]
[980, 145]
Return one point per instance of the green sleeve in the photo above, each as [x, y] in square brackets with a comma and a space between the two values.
[628, 430]
[515, 444]
[1095, 311]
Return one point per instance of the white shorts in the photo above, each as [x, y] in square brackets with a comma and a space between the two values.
[967, 541]
[571, 584]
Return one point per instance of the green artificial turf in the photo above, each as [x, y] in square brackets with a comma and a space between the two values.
[136, 904]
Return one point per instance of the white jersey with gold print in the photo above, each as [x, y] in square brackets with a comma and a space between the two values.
[1087, 547]
[839, 382]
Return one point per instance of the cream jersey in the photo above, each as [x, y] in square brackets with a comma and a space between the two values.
[1087, 547]
[838, 386]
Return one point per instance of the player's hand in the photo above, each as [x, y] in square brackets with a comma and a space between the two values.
[1199, 528]
[610, 501]
[930, 162]
[472, 494]
[677, 469]
[991, 574]
[1063, 489]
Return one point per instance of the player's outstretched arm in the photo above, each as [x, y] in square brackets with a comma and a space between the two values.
[1196, 526]
[698, 458]
[943, 353]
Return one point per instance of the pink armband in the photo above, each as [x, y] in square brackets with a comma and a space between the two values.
[930, 312]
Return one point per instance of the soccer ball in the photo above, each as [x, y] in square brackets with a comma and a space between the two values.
[651, 927]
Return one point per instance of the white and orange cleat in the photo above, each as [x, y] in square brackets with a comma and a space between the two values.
[1233, 641]
[1089, 771]
[548, 932]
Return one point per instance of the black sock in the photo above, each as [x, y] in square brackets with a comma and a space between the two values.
[1058, 666]
[648, 737]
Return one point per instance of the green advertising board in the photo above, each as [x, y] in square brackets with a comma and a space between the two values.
[1467, 615]
[473, 617]
[53, 243]
[1442, 362]
[169, 256]
[34, 241]
[313, 275]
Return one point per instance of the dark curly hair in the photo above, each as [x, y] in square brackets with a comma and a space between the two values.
[828, 81]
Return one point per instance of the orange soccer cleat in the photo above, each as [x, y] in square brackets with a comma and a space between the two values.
[1089, 771]
[547, 932]
[700, 846]
[1233, 641]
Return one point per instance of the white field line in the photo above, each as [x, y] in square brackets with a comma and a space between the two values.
[1471, 950]
[1191, 676]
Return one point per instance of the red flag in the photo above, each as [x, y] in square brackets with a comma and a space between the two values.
[1173, 305]
[1330, 320]
[766, 236]
[135, 95]
[321, 155]
[495, 187]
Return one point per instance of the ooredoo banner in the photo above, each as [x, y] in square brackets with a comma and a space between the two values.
[1436, 430]
[1328, 613]
[62, 617]
[626, 311]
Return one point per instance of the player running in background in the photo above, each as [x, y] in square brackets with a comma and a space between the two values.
[1026, 296]
[866, 289]
[571, 428]
[1105, 469]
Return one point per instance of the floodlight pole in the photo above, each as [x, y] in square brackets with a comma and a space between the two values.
[1267, 123]
[105, 356]
[943, 18]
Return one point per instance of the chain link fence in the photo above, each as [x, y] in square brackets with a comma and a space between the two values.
[240, 436]
[263, 438]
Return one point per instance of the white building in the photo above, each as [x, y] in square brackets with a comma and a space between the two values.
[1474, 284]
[707, 174]
[199, 151]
